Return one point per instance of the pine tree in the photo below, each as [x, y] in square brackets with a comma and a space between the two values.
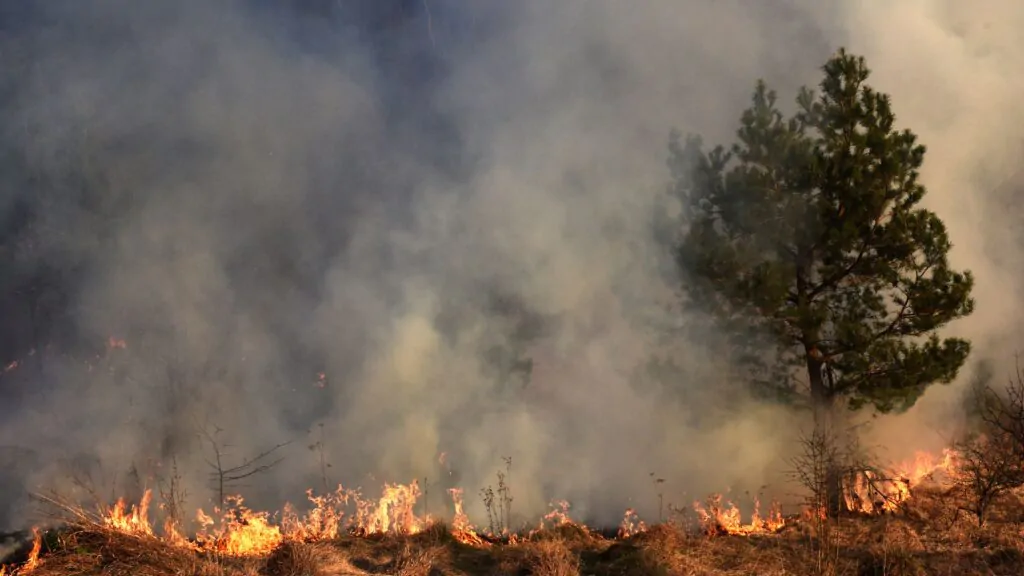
[807, 234]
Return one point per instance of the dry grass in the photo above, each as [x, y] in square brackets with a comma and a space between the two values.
[98, 550]
[552, 558]
[302, 559]
[930, 537]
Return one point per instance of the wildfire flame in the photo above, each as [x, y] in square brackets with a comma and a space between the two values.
[716, 518]
[324, 522]
[462, 530]
[394, 513]
[558, 516]
[631, 524]
[134, 520]
[874, 493]
[33, 560]
[33, 555]
[239, 531]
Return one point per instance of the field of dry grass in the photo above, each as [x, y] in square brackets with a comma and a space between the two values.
[927, 536]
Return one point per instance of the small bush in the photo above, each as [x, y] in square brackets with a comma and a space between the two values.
[990, 460]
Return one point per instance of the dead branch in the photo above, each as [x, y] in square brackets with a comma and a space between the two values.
[224, 477]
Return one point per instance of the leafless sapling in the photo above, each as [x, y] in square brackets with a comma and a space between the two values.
[224, 476]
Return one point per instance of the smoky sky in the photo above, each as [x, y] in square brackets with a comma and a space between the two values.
[354, 227]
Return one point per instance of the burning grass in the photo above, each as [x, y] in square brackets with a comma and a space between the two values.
[908, 544]
[916, 526]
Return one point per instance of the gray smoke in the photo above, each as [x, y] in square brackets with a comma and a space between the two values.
[280, 210]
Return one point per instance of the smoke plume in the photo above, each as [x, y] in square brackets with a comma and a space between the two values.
[383, 234]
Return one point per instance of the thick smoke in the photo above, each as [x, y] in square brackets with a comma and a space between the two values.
[949, 69]
[310, 226]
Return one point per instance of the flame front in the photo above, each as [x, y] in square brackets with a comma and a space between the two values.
[32, 562]
[872, 493]
[134, 520]
[462, 530]
[394, 513]
[631, 524]
[716, 518]
[558, 516]
[33, 555]
[324, 521]
[240, 531]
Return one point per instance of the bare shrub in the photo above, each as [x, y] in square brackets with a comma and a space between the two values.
[658, 482]
[498, 503]
[1001, 411]
[172, 496]
[224, 476]
[990, 458]
[812, 468]
[819, 468]
[987, 468]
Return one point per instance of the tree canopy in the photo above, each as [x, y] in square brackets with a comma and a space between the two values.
[807, 234]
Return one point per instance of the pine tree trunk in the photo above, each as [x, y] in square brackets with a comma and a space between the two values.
[822, 402]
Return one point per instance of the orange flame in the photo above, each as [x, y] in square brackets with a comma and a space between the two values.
[871, 493]
[460, 521]
[242, 532]
[134, 520]
[33, 555]
[394, 513]
[631, 524]
[716, 518]
[323, 522]
[173, 536]
[558, 516]
[462, 530]
[31, 563]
